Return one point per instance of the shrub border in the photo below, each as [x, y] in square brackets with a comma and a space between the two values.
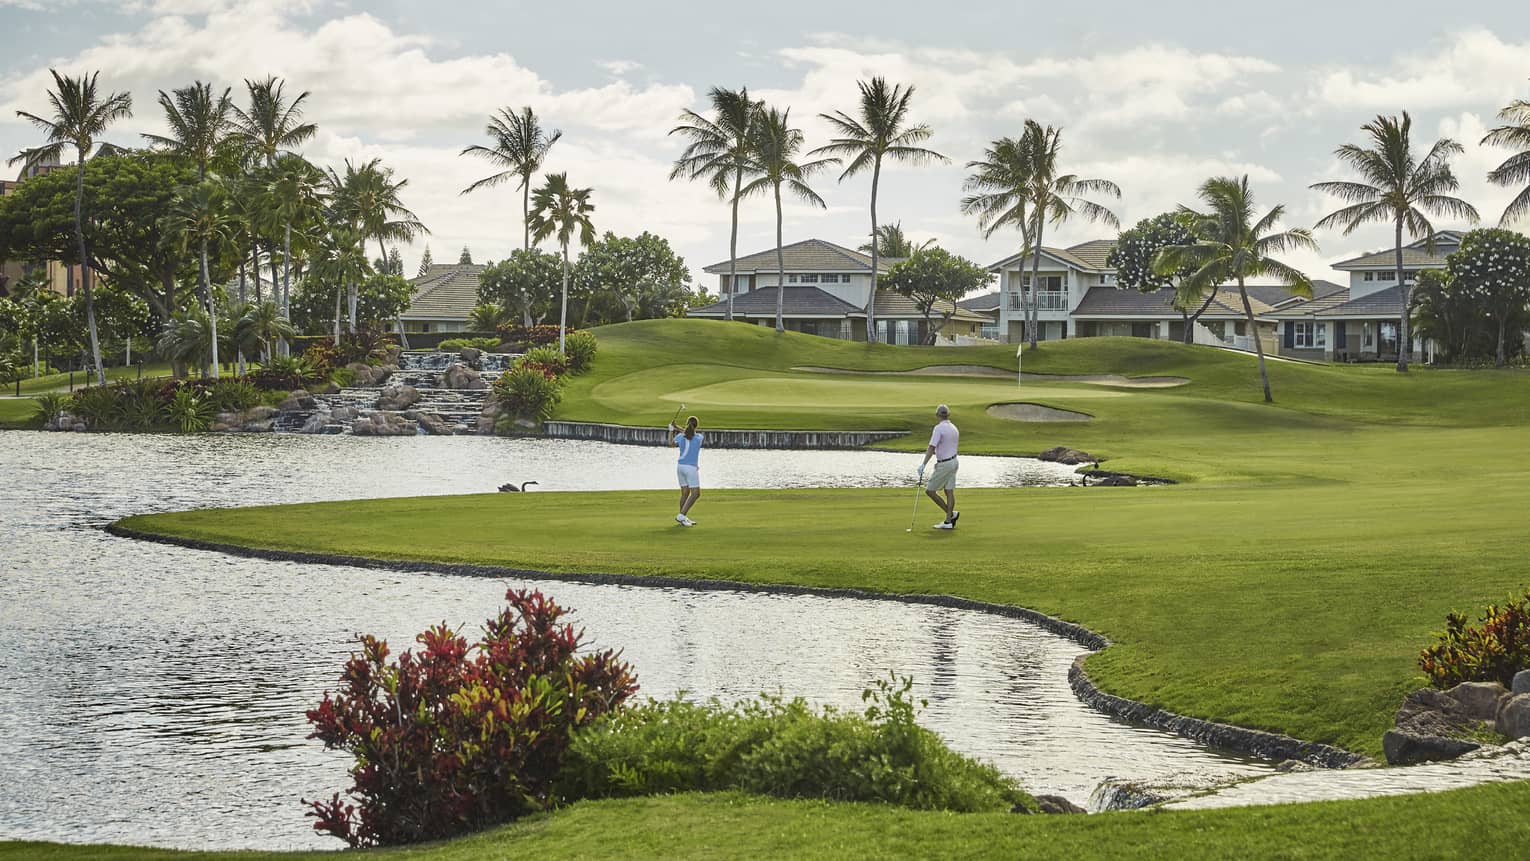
[1229, 737]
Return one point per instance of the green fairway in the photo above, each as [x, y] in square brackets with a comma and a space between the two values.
[1480, 822]
[17, 412]
[60, 382]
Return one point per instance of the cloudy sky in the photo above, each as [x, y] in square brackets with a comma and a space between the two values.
[1156, 97]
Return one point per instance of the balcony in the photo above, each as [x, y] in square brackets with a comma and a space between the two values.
[1049, 301]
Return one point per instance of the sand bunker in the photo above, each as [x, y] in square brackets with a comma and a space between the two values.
[986, 371]
[1035, 413]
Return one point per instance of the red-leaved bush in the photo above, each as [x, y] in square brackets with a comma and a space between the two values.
[456, 738]
[1492, 651]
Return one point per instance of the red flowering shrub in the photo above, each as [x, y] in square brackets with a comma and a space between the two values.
[522, 338]
[1493, 652]
[457, 738]
[324, 357]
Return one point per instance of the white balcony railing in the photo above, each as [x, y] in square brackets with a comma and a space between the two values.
[1047, 301]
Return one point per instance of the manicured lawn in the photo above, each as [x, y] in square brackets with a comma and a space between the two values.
[54, 382]
[17, 412]
[1480, 822]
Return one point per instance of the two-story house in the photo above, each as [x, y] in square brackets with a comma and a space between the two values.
[826, 292]
[1362, 322]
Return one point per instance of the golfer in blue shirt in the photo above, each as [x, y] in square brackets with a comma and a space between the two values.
[689, 442]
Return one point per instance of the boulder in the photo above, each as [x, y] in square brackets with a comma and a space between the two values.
[332, 388]
[1058, 804]
[1479, 700]
[367, 376]
[460, 376]
[316, 422]
[299, 399]
[470, 356]
[434, 425]
[384, 423]
[1521, 683]
[394, 352]
[1067, 456]
[1116, 481]
[258, 426]
[345, 414]
[1514, 717]
[1427, 712]
[260, 413]
[398, 397]
[1405, 748]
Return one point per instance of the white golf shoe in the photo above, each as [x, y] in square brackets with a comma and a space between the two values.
[680, 519]
[944, 524]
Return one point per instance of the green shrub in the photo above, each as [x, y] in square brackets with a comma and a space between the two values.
[773, 747]
[50, 404]
[98, 406]
[486, 344]
[139, 406]
[579, 348]
[233, 395]
[546, 357]
[529, 391]
[1492, 652]
[189, 411]
[285, 373]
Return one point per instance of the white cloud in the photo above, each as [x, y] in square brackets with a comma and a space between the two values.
[1470, 69]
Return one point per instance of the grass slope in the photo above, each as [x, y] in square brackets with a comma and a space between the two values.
[1478, 822]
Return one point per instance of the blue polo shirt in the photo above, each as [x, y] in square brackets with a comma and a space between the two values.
[690, 449]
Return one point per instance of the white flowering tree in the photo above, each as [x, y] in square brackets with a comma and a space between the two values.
[1133, 256]
[1493, 268]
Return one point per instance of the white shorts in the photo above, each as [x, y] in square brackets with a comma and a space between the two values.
[943, 478]
[689, 475]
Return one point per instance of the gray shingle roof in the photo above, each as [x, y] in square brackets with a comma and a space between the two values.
[1382, 303]
[797, 302]
[986, 303]
[809, 255]
[447, 291]
[1117, 302]
[891, 304]
[1415, 254]
[1089, 256]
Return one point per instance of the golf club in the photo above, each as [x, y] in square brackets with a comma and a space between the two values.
[918, 486]
[676, 415]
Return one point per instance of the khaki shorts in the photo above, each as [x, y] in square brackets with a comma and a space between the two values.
[944, 476]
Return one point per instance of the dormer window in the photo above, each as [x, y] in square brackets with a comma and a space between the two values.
[809, 279]
[1370, 276]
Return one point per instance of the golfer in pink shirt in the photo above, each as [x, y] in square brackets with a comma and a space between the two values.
[943, 442]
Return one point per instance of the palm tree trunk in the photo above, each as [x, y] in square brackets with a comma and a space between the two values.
[79, 235]
[526, 210]
[1405, 338]
[781, 268]
[1190, 323]
[255, 268]
[339, 291]
[1031, 325]
[871, 301]
[563, 301]
[1253, 331]
[1502, 319]
[212, 306]
[738, 182]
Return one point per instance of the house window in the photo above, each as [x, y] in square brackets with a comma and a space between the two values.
[1311, 336]
[834, 279]
[1108, 278]
[1049, 283]
[791, 279]
[1370, 276]
[809, 279]
[1411, 274]
[1389, 275]
[1367, 334]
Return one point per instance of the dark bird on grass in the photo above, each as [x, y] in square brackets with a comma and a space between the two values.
[511, 488]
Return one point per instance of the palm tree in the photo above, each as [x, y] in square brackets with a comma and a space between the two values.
[342, 258]
[369, 198]
[520, 147]
[271, 127]
[1231, 246]
[719, 153]
[79, 118]
[201, 213]
[890, 242]
[772, 163]
[1515, 170]
[879, 134]
[198, 123]
[259, 325]
[1000, 194]
[565, 211]
[1399, 188]
[1054, 197]
[294, 196]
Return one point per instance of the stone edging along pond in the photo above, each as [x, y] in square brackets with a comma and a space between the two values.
[1238, 739]
[718, 437]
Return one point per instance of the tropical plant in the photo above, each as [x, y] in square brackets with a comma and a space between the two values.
[259, 326]
[488, 317]
[1050, 196]
[889, 241]
[198, 122]
[1515, 170]
[1134, 253]
[520, 145]
[629, 277]
[79, 119]
[880, 132]
[1493, 268]
[189, 411]
[341, 261]
[773, 163]
[50, 405]
[1397, 187]
[296, 198]
[232, 395]
[460, 737]
[934, 278]
[580, 350]
[565, 212]
[528, 391]
[1492, 652]
[370, 199]
[187, 339]
[98, 406]
[1231, 245]
[719, 152]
